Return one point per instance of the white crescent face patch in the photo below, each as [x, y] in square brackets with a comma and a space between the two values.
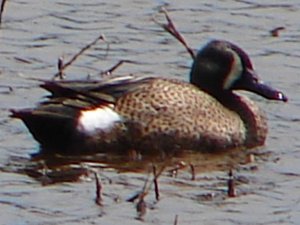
[235, 72]
[102, 118]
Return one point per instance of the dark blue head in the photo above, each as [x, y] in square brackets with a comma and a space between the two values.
[221, 66]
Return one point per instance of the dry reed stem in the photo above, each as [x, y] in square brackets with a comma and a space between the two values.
[170, 27]
[231, 192]
[63, 67]
[2, 9]
[193, 173]
[99, 188]
[109, 71]
[176, 220]
[156, 189]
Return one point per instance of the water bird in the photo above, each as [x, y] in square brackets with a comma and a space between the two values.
[156, 114]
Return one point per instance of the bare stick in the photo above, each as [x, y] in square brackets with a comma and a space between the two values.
[60, 64]
[193, 171]
[146, 187]
[143, 192]
[275, 32]
[98, 199]
[134, 197]
[141, 208]
[2, 9]
[141, 205]
[176, 220]
[113, 68]
[174, 171]
[170, 27]
[155, 183]
[63, 67]
[231, 185]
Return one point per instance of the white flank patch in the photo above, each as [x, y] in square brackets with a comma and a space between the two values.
[102, 118]
[235, 72]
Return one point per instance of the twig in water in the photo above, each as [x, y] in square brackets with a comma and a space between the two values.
[143, 192]
[275, 32]
[64, 66]
[141, 205]
[231, 185]
[170, 27]
[141, 208]
[156, 176]
[155, 183]
[2, 9]
[147, 186]
[60, 64]
[174, 171]
[176, 220]
[193, 172]
[134, 197]
[113, 68]
[99, 198]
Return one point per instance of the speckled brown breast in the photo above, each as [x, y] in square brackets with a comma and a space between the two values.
[170, 114]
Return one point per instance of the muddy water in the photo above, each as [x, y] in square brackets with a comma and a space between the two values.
[35, 33]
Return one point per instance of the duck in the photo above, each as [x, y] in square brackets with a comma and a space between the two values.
[156, 114]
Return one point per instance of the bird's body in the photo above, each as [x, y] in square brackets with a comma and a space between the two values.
[156, 114]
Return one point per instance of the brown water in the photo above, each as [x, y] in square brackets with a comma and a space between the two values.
[35, 33]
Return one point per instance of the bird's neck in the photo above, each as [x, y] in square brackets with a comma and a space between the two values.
[252, 116]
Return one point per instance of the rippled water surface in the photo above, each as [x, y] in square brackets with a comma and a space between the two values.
[34, 34]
